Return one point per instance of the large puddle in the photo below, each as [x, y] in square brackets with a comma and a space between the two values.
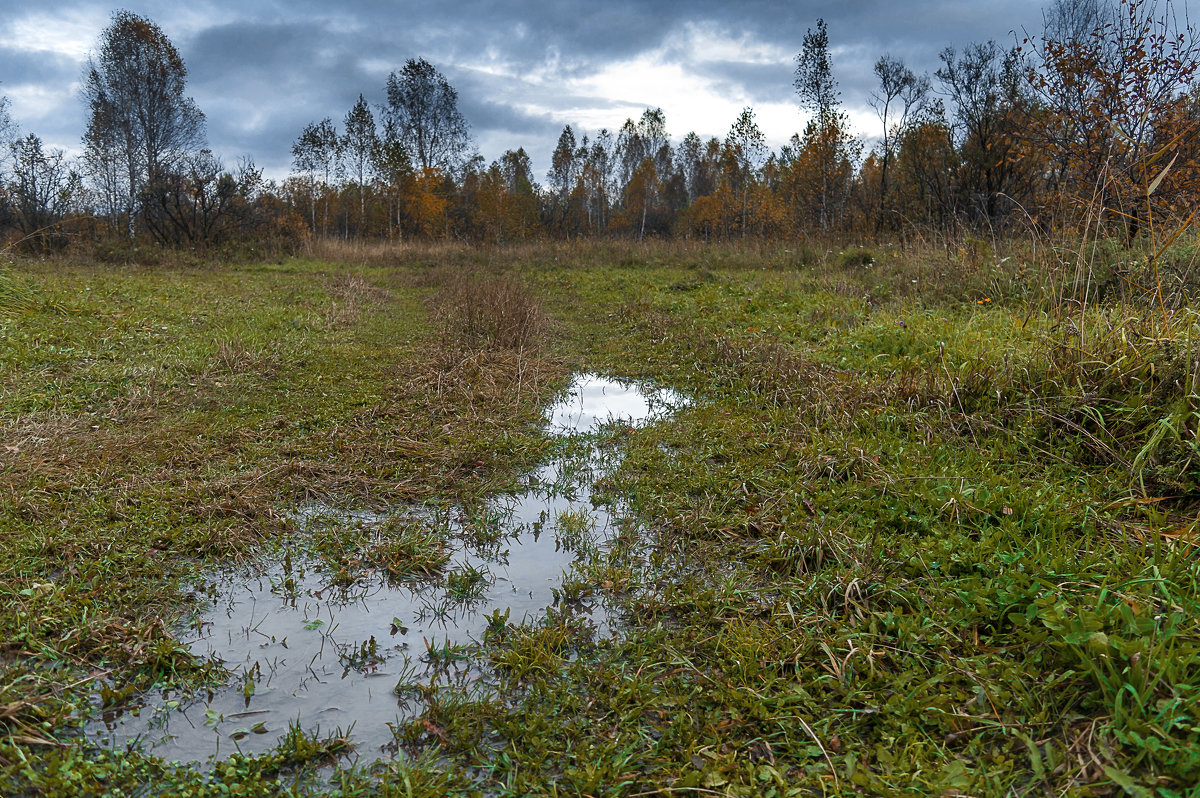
[371, 610]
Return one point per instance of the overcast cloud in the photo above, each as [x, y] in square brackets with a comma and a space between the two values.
[261, 69]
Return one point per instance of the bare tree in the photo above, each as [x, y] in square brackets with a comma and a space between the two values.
[983, 83]
[1074, 20]
[564, 167]
[747, 148]
[700, 163]
[598, 170]
[139, 116]
[199, 203]
[42, 190]
[897, 85]
[5, 136]
[652, 128]
[828, 130]
[6, 125]
[422, 114]
[814, 73]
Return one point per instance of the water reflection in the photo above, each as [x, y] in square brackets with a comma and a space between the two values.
[337, 642]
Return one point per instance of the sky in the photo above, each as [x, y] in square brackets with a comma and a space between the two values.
[262, 69]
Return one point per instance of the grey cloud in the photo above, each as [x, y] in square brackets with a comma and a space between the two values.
[22, 66]
[264, 68]
[762, 83]
[59, 127]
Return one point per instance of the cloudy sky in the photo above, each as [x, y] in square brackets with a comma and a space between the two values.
[261, 69]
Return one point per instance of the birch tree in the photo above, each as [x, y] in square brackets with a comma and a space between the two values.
[138, 114]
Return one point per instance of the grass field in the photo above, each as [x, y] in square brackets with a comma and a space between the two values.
[928, 526]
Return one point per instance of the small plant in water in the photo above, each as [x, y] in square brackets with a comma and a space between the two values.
[299, 748]
[446, 653]
[497, 624]
[410, 682]
[407, 548]
[572, 592]
[574, 529]
[466, 584]
[360, 657]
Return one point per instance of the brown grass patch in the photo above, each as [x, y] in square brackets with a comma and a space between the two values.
[350, 294]
[475, 311]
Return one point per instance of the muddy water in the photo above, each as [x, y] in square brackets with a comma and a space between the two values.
[306, 643]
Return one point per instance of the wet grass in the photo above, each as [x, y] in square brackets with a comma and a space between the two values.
[923, 530]
[408, 548]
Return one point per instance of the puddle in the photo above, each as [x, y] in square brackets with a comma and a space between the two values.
[324, 641]
[593, 401]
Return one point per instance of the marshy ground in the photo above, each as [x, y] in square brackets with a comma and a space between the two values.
[926, 523]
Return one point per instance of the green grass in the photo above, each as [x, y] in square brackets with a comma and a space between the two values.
[905, 541]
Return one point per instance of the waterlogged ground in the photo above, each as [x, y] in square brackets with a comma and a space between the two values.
[927, 528]
[335, 644]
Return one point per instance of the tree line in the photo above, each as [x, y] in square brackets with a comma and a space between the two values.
[1091, 124]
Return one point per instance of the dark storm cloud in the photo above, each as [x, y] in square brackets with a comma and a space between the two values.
[523, 29]
[574, 40]
[260, 83]
[485, 115]
[587, 31]
[262, 69]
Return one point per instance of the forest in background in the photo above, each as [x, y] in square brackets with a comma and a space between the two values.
[1088, 128]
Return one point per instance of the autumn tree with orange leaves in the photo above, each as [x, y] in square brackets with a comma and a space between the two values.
[1116, 119]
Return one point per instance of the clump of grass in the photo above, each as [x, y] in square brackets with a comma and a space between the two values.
[466, 584]
[533, 650]
[445, 653]
[572, 529]
[27, 714]
[857, 257]
[350, 294]
[235, 357]
[406, 548]
[340, 544]
[573, 592]
[300, 748]
[423, 776]
[16, 295]
[486, 311]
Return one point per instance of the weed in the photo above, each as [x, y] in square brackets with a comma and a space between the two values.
[466, 584]
[408, 547]
[447, 653]
[364, 655]
[16, 296]
[488, 311]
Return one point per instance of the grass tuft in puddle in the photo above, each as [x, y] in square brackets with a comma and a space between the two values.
[408, 548]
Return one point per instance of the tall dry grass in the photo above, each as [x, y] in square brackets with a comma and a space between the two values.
[480, 311]
[489, 353]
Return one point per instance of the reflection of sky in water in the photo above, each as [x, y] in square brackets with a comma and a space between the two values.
[593, 400]
[296, 641]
